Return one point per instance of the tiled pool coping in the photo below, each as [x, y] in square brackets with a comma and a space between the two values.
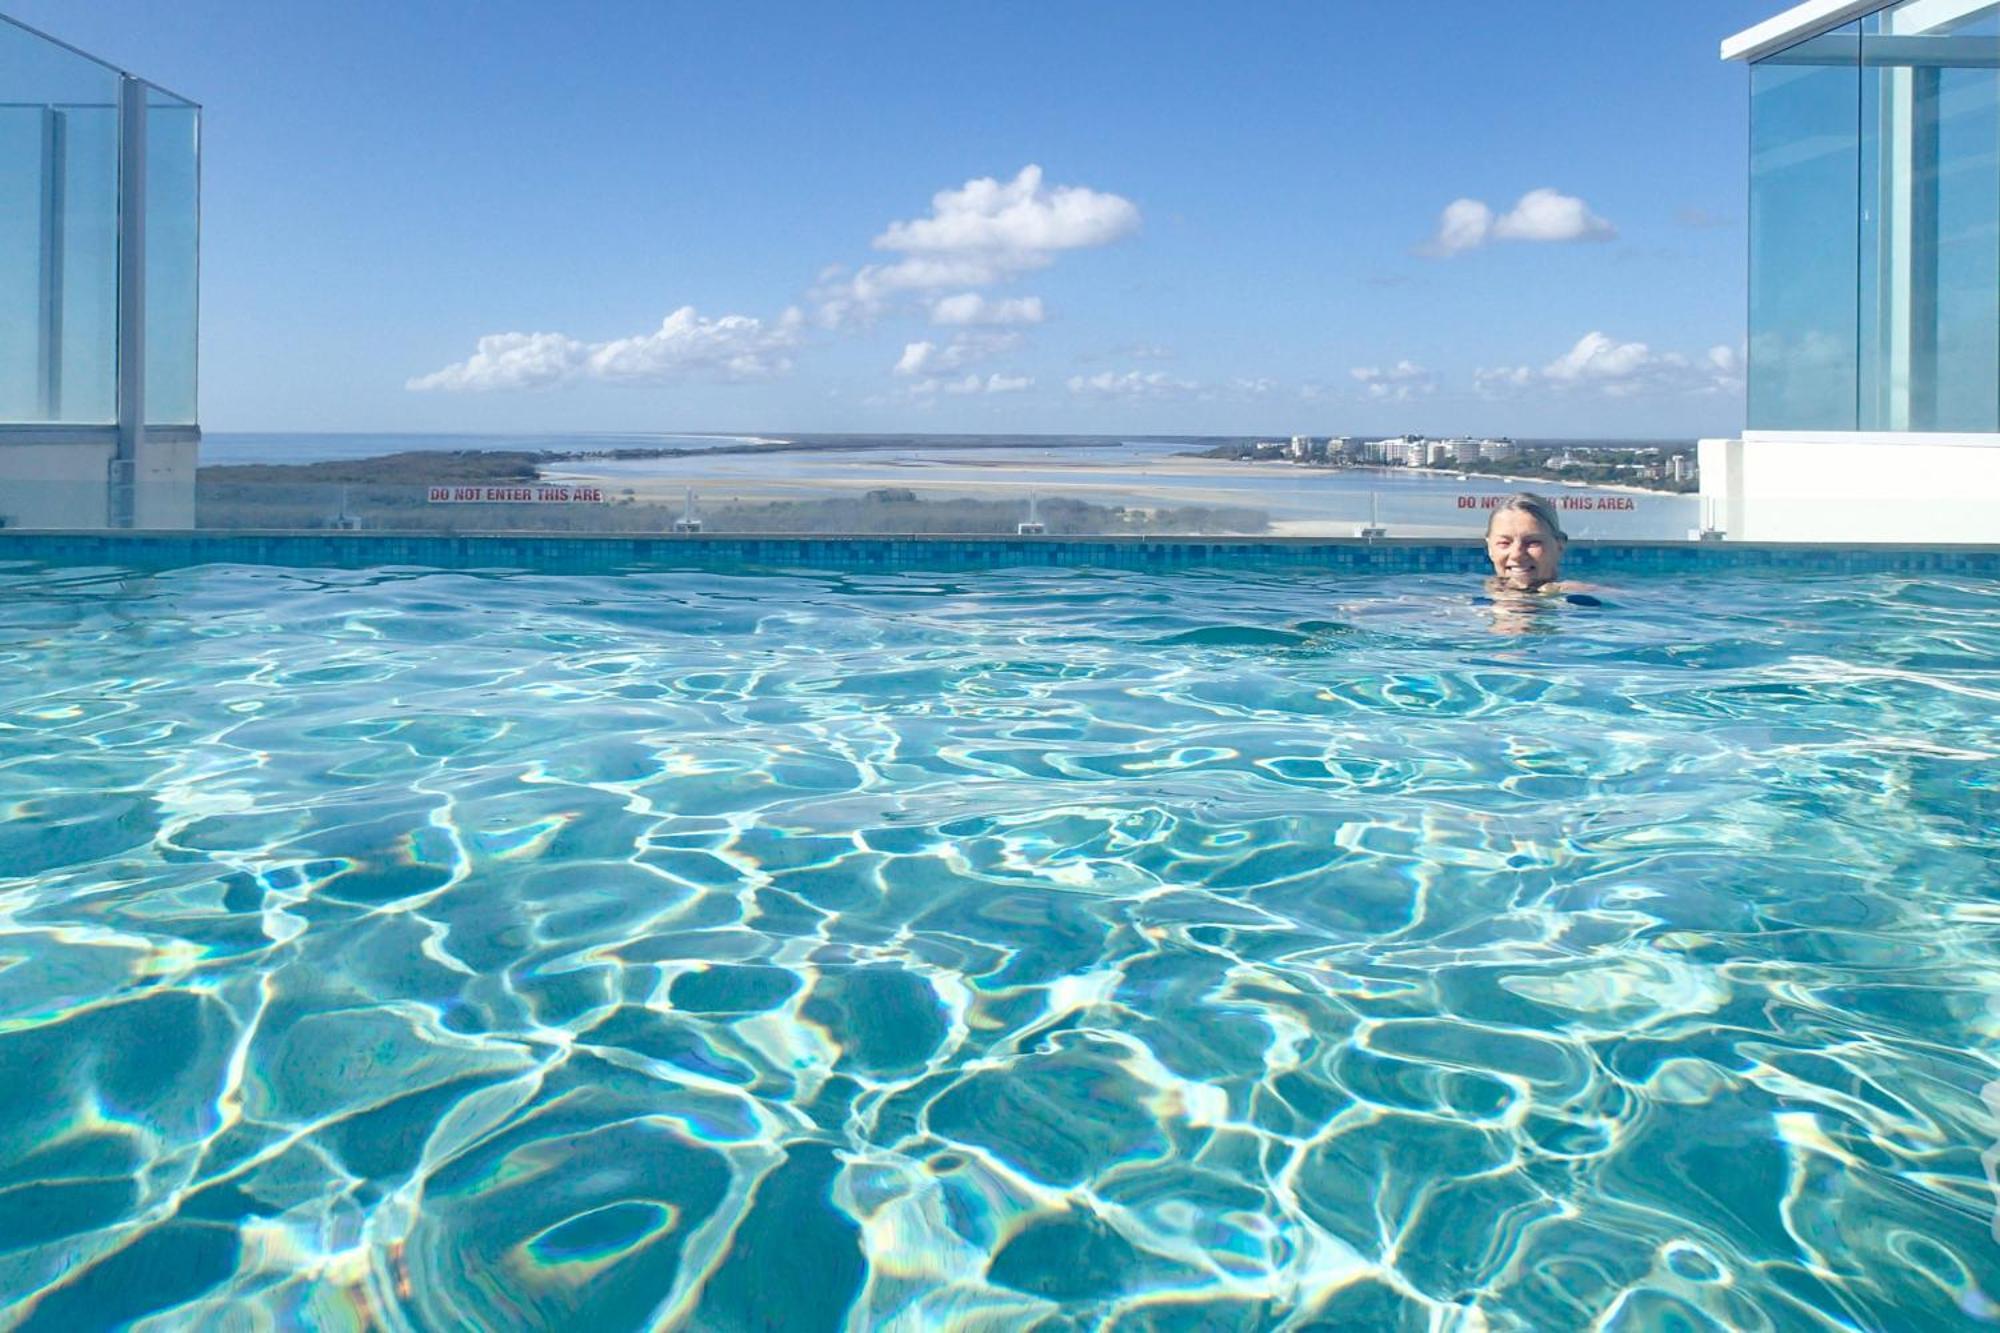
[571, 553]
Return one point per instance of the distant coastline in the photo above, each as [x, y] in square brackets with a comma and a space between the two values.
[400, 492]
[898, 483]
[1514, 478]
[1226, 454]
[840, 444]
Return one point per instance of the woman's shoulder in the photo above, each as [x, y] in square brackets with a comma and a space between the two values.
[1578, 594]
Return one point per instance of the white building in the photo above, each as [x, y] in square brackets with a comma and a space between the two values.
[1873, 407]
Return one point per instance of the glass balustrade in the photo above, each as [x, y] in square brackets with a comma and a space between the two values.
[1875, 225]
[58, 233]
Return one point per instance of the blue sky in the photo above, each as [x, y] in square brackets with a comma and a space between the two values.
[1521, 218]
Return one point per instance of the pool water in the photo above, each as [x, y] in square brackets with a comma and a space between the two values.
[1040, 949]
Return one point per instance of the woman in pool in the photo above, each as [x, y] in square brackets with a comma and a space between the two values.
[1525, 542]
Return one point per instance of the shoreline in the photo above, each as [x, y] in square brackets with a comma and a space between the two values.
[1560, 484]
[809, 444]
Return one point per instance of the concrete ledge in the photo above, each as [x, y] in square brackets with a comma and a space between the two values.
[1841, 488]
[613, 553]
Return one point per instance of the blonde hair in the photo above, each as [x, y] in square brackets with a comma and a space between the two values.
[1530, 503]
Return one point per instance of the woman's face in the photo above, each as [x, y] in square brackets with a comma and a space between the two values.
[1525, 554]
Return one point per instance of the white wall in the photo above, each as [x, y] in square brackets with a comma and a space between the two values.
[54, 485]
[66, 484]
[163, 494]
[1795, 486]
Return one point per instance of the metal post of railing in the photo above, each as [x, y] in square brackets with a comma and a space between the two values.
[131, 299]
[49, 322]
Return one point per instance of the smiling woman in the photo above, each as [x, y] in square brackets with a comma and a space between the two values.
[1525, 542]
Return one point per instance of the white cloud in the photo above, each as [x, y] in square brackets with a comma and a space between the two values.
[1464, 225]
[1500, 381]
[1395, 384]
[732, 348]
[1132, 384]
[843, 299]
[968, 385]
[972, 308]
[1602, 364]
[1598, 356]
[1019, 217]
[1539, 215]
[510, 361]
[982, 233]
[964, 349]
[1253, 387]
[1550, 215]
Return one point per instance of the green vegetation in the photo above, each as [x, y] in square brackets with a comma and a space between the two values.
[416, 467]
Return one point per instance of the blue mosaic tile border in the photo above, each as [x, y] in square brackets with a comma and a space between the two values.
[571, 554]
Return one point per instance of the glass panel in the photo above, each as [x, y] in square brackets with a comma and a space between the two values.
[1930, 238]
[58, 233]
[1804, 163]
[172, 216]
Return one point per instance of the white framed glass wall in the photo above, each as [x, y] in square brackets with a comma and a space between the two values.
[173, 248]
[1875, 224]
[77, 136]
[58, 233]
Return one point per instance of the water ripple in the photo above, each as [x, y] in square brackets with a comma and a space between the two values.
[1037, 949]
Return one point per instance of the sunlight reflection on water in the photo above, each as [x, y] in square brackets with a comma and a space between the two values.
[1205, 950]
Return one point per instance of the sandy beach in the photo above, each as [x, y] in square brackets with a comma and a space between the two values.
[1160, 481]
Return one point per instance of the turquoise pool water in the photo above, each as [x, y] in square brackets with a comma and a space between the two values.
[1033, 949]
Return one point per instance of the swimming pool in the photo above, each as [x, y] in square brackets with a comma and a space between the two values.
[1205, 949]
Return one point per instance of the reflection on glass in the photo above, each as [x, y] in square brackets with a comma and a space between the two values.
[1930, 220]
[1804, 279]
[172, 181]
[1875, 225]
[58, 233]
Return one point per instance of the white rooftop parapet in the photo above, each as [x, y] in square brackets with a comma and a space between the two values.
[1818, 16]
[1795, 25]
